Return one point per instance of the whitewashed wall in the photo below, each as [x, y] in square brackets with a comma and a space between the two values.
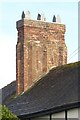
[79, 113]
[59, 115]
[73, 113]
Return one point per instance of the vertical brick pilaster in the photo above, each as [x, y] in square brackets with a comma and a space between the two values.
[20, 61]
[44, 59]
[29, 64]
[18, 68]
[60, 56]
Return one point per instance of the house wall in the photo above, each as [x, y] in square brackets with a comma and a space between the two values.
[41, 46]
[58, 115]
[47, 117]
[73, 113]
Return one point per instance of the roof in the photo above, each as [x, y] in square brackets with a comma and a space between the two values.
[8, 92]
[57, 90]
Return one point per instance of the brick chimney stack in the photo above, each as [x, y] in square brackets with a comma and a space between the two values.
[40, 46]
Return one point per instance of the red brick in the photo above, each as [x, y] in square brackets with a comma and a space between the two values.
[40, 46]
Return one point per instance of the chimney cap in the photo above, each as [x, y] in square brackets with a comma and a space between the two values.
[54, 18]
[26, 15]
[58, 19]
[41, 17]
[23, 15]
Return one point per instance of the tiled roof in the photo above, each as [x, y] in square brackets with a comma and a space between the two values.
[60, 88]
[8, 92]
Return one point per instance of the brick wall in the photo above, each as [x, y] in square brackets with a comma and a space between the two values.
[40, 46]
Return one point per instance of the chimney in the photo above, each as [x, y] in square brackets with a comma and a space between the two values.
[40, 46]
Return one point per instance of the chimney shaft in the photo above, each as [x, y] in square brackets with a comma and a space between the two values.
[40, 46]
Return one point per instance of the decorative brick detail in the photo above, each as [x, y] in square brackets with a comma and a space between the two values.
[40, 47]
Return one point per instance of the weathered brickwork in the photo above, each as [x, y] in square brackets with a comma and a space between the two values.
[41, 46]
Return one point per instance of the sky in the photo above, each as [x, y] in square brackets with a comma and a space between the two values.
[10, 12]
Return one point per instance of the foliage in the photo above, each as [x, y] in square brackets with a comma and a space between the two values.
[6, 114]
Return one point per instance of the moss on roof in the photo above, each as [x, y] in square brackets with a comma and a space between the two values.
[55, 71]
[59, 87]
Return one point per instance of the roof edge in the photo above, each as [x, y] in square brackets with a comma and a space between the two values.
[51, 111]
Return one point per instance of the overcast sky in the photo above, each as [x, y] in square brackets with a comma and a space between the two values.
[10, 12]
